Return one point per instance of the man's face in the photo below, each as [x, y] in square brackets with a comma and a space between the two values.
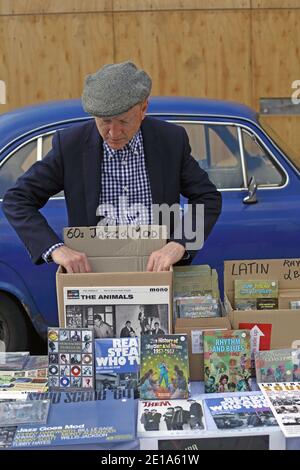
[117, 131]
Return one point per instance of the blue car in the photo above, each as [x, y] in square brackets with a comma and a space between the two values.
[259, 183]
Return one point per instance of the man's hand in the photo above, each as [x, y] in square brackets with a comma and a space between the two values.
[163, 259]
[73, 261]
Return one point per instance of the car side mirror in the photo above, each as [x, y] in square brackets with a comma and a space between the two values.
[252, 188]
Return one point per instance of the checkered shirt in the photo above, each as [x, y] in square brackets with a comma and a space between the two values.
[124, 183]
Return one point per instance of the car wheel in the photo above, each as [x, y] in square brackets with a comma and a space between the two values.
[13, 325]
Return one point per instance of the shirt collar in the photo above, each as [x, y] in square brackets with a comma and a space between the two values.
[131, 145]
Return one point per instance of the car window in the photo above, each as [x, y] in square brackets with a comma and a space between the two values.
[21, 160]
[47, 144]
[16, 165]
[259, 163]
[46, 147]
[216, 148]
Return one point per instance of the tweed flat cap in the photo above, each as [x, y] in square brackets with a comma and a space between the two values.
[114, 89]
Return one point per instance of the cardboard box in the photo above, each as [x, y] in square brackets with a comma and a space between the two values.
[286, 296]
[108, 253]
[115, 262]
[278, 328]
[193, 328]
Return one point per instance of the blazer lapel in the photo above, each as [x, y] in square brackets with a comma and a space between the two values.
[92, 160]
[154, 161]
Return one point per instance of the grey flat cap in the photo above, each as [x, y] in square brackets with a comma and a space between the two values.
[114, 89]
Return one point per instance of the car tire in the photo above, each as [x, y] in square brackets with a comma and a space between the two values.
[14, 330]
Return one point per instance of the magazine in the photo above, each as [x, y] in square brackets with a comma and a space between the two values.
[118, 311]
[170, 417]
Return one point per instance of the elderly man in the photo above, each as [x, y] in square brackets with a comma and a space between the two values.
[119, 154]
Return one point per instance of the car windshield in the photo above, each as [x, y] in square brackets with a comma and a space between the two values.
[284, 147]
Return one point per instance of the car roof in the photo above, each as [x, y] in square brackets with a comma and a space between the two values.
[23, 120]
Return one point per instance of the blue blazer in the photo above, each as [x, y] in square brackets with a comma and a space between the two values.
[74, 165]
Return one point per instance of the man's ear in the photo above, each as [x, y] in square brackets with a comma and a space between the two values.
[144, 107]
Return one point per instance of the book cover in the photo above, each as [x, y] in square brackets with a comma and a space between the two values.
[71, 358]
[227, 362]
[241, 411]
[81, 417]
[255, 294]
[296, 364]
[284, 401]
[167, 417]
[117, 362]
[195, 280]
[164, 367]
[274, 366]
[118, 311]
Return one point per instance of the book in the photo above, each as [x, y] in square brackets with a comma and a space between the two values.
[117, 362]
[274, 366]
[241, 411]
[164, 367]
[71, 358]
[227, 363]
[79, 417]
[169, 417]
[255, 294]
